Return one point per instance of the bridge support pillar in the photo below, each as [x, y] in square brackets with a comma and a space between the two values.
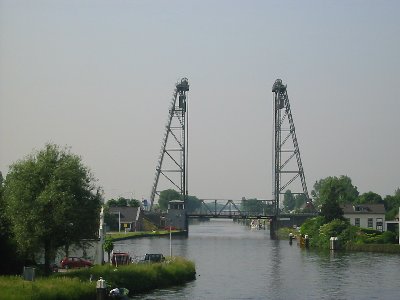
[273, 227]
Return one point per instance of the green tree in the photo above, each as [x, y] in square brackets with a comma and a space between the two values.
[122, 202]
[300, 200]
[289, 201]
[51, 201]
[134, 203]
[369, 198]
[112, 203]
[392, 204]
[110, 219]
[166, 196]
[108, 246]
[192, 203]
[330, 208]
[10, 262]
[341, 187]
[254, 206]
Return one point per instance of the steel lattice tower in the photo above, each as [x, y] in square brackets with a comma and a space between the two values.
[172, 162]
[285, 172]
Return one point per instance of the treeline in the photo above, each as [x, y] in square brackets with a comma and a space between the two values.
[334, 191]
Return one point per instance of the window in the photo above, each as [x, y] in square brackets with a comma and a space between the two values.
[357, 222]
[370, 223]
[379, 224]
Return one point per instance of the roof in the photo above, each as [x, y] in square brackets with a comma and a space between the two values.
[363, 209]
[128, 214]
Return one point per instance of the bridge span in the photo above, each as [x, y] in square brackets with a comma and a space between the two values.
[235, 209]
[248, 209]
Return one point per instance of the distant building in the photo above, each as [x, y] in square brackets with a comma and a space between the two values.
[366, 215]
[129, 218]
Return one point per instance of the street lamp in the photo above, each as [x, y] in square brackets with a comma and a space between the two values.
[168, 221]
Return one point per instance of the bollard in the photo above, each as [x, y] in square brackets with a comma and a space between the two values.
[306, 241]
[334, 243]
[101, 292]
[290, 238]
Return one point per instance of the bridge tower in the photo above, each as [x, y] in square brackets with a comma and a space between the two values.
[286, 172]
[172, 162]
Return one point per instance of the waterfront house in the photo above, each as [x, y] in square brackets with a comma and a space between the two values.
[365, 215]
[129, 218]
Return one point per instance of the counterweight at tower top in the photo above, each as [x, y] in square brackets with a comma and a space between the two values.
[172, 162]
[285, 172]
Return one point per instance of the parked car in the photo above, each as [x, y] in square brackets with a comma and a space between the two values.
[75, 262]
[153, 258]
[120, 258]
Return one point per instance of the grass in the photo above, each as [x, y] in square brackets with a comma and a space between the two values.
[75, 284]
[122, 235]
[283, 232]
[138, 278]
[15, 288]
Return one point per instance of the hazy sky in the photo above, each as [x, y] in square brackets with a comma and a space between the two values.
[98, 76]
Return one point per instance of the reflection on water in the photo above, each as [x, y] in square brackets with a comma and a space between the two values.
[235, 262]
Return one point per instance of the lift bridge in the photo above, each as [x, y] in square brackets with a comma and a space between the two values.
[288, 170]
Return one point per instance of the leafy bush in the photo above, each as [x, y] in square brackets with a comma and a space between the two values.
[375, 237]
[320, 233]
[311, 228]
[337, 228]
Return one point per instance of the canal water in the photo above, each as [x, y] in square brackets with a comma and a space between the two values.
[236, 262]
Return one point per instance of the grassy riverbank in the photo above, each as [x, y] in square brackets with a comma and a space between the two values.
[75, 284]
[117, 236]
[15, 288]
[283, 232]
[138, 278]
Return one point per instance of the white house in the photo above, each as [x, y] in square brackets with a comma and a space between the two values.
[366, 215]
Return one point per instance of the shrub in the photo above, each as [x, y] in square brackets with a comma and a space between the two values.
[311, 228]
[336, 228]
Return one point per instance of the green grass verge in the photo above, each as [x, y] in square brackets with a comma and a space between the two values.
[121, 236]
[283, 232]
[15, 288]
[138, 278]
[75, 284]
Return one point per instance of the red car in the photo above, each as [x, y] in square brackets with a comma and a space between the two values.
[75, 262]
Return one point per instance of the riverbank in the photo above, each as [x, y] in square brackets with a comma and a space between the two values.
[76, 284]
[284, 232]
[378, 248]
[120, 236]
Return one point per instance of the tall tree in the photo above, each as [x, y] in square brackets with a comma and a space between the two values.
[192, 203]
[369, 198]
[51, 201]
[392, 204]
[112, 203]
[166, 196]
[122, 202]
[288, 201]
[134, 203]
[255, 206]
[341, 187]
[300, 200]
[108, 246]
